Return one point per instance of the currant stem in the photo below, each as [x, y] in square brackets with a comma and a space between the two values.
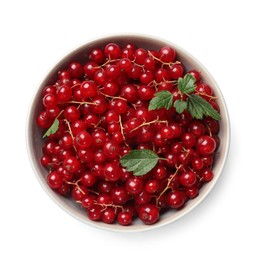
[59, 114]
[109, 205]
[76, 85]
[121, 127]
[107, 62]
[164, 63]
[151, 122]
[76, 184]
[70, 132]
[113, 97]
[168, 184]
[80, 102]
[206, 95]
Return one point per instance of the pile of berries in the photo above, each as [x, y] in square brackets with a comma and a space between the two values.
[97, 112]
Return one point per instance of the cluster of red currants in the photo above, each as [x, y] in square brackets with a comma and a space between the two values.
[97, 112]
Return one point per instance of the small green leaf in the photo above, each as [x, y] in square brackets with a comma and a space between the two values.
[162, 99]
[139, 161]
[180, 106]
[52, 129]
[198, 107]
[187, 84]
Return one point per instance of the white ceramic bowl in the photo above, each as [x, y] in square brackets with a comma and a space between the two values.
[34, 135]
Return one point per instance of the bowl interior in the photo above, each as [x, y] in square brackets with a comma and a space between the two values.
[35, 140]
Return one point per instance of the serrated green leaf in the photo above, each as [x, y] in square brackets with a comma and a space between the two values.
[162, 99]
[52, 129]
[180, 106]
[198, 107]
[139, 162]
[187, 84]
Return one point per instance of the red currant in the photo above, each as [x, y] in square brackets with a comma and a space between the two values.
[149, 214]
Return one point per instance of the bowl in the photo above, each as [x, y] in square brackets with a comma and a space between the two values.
[35, 140]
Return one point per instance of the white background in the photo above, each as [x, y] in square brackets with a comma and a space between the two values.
[223, 35]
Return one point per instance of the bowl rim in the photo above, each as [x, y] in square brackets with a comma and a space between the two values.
[112, 227]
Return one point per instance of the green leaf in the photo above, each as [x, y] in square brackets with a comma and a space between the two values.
[139, 161]
[53, 128]
[180, 105]
[162, 99]
[198, 107]
[187, 84]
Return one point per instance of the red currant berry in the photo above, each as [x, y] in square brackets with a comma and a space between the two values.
[105, 186]
[98, 137]
[112, 51]
[97, 56]
[206, 175]
[176, 71]
[192, 192]
[177, 130]
[145, 92]
[112, 72]
[87, 201]
[187, 179]
[77, 126]
[66, 141]
[88, 179]
[167, 132]
[64, 93]
[112, 172]
[204, 90]
[175, 199]
[206, 145]
[86, 154]
[75, 69]
[142, 198]
[64, 74]
[54, 180]
[148, 213]
[104, 198]
[88, 89]
[71, 113]
[149, 63]
[110, 88]
[100, 77]
[111, 149]
[94, 212]
[43, 120]
[90, 69]
[188, 140]
[99, 105]
[125, 64]
[197, 128]
[124, 218]
[71, 164]
[119, 195]
[45, 160]
[140, 56]
[49, 101]
[129, 92]
[134, 72]
[151, 186]
[134, 185]
[167, 54]
[161, 75]
[108, 215]
[146, 77]
[49, 90]
[53, 112]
